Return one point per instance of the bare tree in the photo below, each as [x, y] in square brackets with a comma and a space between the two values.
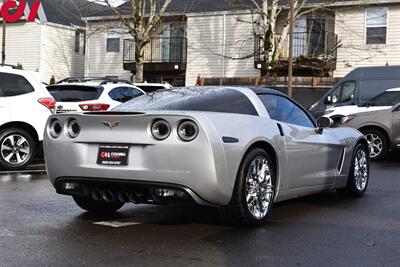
[143, 17]
[265, 14]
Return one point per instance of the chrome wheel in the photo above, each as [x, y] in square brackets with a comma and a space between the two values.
[361, 170]
[15, 149]
[375, 144]
[259, 187]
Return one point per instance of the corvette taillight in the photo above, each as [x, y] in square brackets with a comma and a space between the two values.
[49, 103]
[94, 107]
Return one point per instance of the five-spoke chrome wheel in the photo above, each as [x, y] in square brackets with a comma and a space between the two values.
[361, 170]
[375, 144]
[259, 187]
[15, 149]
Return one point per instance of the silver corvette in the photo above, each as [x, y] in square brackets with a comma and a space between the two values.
[241, 149]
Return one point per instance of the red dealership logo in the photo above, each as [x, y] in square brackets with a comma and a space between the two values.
[12, 11]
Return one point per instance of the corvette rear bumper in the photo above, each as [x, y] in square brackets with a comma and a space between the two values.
[149, 165]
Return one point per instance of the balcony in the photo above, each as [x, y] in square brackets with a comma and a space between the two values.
[161, 55]
[312, 52]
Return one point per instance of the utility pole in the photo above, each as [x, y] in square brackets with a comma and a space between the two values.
[3, 43]
[290, 60]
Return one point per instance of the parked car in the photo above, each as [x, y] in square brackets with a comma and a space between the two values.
[357, 88]
[74, 95]
[25, 106]
[238, 148]
[151, 87]
[379, 121]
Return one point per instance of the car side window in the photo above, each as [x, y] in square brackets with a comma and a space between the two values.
[14, 85]
[124, 94]
[344, 93]
[284, 110]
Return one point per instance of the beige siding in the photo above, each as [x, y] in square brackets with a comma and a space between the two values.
[23, 45]
[205, 36]
[58, 53]
[350, 28]
[99, 62]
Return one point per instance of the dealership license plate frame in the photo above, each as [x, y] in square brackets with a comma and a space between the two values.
[113, 155]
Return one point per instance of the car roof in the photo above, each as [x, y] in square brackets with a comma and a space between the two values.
[393, 90]
[95, 84]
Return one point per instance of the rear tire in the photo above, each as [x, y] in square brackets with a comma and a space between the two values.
[254, 190]
[100, 207]
[17, 149]
[378, 143]
[357, 182]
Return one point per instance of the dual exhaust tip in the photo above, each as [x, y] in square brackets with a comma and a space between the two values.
[110, 196]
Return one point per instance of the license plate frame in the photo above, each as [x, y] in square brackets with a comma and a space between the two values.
[113, 155]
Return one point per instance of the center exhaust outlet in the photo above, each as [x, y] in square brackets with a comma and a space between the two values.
[123, 197]
[108, 196]
[97, 195]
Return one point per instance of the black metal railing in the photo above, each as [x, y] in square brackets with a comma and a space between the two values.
[159, 50]
[322, 45]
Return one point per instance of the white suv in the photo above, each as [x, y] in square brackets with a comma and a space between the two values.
[25, 106]
[92, 94]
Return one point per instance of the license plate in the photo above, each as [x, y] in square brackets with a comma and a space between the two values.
[113, 155]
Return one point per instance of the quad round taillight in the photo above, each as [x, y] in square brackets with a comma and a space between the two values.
[73, 128]
[188, 130]
[55, 128]
[160, 129]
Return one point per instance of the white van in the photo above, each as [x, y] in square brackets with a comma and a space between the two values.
[356, 89]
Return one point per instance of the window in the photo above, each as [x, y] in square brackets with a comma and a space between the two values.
[13, 85]
[282, 109]
[74, 93]
[390, 98]
[124, 94]
[376, 25]
[77, 41]
[213, 100]
[344, 93]
[113, 41]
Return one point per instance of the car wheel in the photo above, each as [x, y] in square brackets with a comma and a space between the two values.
[97, 206]
[359, 173]
[377, 142]
[254, 190]
[17, 149]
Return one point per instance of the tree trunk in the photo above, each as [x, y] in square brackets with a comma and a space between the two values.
[139, 71]
[139, 63]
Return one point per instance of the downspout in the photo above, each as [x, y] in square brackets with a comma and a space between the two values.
[87, 54]
[223, 48]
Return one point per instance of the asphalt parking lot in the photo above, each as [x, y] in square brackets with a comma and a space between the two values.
[40, 228]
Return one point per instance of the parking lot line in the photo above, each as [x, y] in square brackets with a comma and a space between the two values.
[22, 172]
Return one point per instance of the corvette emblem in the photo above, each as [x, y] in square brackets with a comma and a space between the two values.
[111, 124]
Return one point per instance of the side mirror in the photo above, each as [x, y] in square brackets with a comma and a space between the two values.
[328, 99]
[322, 123]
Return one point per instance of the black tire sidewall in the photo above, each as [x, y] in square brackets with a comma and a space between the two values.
[246, 215]
[9, 131]
[385, 143]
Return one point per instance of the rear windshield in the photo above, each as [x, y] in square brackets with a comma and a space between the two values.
[387, 99]
[74, 93]
[214, 100]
